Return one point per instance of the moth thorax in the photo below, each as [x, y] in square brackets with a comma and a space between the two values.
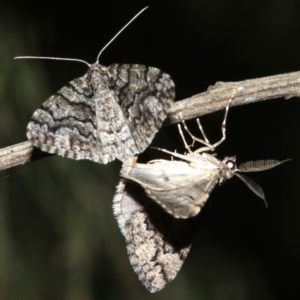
[98, 77]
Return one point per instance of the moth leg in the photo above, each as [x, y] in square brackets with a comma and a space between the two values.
[223, 127]
[202, 131]
[186, 146]
[206, 142]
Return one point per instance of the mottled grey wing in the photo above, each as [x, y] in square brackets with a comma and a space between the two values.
[176, 186]
[145, 95]
[65, 124]
[157, 243]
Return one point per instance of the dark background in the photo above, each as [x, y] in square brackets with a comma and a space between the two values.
[58, 236]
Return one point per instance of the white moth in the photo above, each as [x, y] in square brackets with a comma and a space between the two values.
[158, 240]
[182, 187]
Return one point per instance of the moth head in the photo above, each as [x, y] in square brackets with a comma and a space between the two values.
[230, 167]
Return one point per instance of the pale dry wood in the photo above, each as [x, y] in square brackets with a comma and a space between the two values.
[19, 154]
[214, 99]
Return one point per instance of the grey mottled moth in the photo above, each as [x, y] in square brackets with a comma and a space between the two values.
[110, 112]
[159, 233]
[156, 242]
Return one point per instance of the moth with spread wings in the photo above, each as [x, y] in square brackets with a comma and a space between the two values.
[110, 112]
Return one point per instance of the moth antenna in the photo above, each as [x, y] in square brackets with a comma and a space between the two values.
[80, 60]
[52, 58]
[123, 28]
[260, 165]
[253, 186]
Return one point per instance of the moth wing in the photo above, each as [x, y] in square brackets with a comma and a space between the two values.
[65, 124]
[186, 200]
[157, 244]
[145, 95]
[70, 123]
[178, 187]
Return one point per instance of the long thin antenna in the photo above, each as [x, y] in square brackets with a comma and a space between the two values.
[80, 60]
[52, 58]
[119, 33]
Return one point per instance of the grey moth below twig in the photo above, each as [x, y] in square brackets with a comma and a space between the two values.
[181, 188]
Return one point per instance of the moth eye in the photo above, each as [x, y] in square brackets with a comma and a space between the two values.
[230, 164]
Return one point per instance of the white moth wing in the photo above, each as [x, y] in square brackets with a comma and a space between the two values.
[185, 201]
[179, 187]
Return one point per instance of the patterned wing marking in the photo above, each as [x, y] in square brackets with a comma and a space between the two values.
[145, 95]
[157, 243]
[65, 124]
[108, 113]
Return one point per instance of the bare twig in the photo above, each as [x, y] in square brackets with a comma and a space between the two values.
[19, 154]
[214, 99]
